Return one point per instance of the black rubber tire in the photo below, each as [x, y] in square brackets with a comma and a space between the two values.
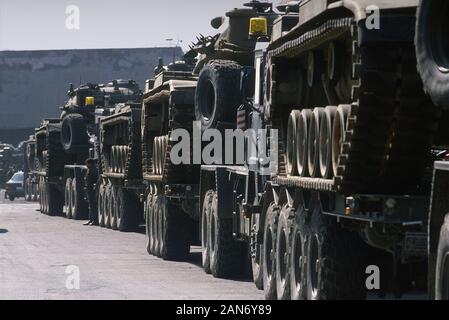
[218, 95]
[11, 198]
[79, 205]
[152, 226]
[174, 235]
[283, 250]
[67, 198]
[257, 259]
[26, 187]
[148, 217]
[335, 268]
[225, 252]
[442, 266]
[205, 221]
[54, 201]
[269, 251]
[128, 211]
[432, 49]
[298, 271]
[156, 225]
[101, 205]
[74, 138]
[115, 208]
[109, 207]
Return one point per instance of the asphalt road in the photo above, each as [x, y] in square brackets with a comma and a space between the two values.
[41, 256]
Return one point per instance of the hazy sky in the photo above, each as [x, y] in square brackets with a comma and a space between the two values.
[41, 24]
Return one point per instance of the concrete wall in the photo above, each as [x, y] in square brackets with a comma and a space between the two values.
[34, 84]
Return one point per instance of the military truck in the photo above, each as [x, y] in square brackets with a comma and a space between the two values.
[63, 144]
[30, 166]
[353, 134]
[432, 51]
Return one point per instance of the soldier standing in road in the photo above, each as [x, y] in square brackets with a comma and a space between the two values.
[91, 181]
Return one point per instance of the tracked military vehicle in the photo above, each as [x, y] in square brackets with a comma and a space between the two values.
[171, 190]
[355, 133]
[65, 143]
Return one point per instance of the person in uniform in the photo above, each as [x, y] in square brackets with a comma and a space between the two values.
[91, 181]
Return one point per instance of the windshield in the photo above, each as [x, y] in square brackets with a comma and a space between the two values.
[18, 177]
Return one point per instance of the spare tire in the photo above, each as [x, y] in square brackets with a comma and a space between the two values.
[432, 49]
[74, 136]
[218, 95]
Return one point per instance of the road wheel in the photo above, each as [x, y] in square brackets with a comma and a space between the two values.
[283, 250]
[432, 49]
[225, 252]
[334, 264]
[269, 251]
[26, 187]
[442, 270]
[67, 198]
[148, 213]
[205, 221]
[79, 205]
[101, 205]
[218, 93]
[11, 198]
[313, 153]
[115, 208]
[74, 136]
[292, 143]
[325, 142]
[256, 256]
[155, 225]
[54, 200]
[298, 271]
[41, 206]
[174, 232]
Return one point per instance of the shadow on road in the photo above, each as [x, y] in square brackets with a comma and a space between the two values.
[3, 231]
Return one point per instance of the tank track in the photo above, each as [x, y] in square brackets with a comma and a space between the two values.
[391, 123]
[132, 169]
[180, 117]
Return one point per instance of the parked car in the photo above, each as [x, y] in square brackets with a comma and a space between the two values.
[14, 187]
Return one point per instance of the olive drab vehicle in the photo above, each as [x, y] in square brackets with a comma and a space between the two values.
[356, 137]
[64, 144]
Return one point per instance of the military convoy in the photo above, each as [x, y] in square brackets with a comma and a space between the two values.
[334, 91]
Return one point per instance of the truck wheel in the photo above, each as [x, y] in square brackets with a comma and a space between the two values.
[300, 234]
[205, 221]
[148, 213]
[128, 211]
[442, 270]
[115, 208]
[173, 232]
[41, 206]
[225, 252]
[432, 49]
[256, 258]
[334, 266]
[283, 249]
[74, 133]
[155, 225]
[44, 198]
[101, 206]
[67, 199]
[269, 251]
[109, 207]
[54, 200]
[218, 94]
[79, 206]
[26, 187]
[152, 214]
[11, 198]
